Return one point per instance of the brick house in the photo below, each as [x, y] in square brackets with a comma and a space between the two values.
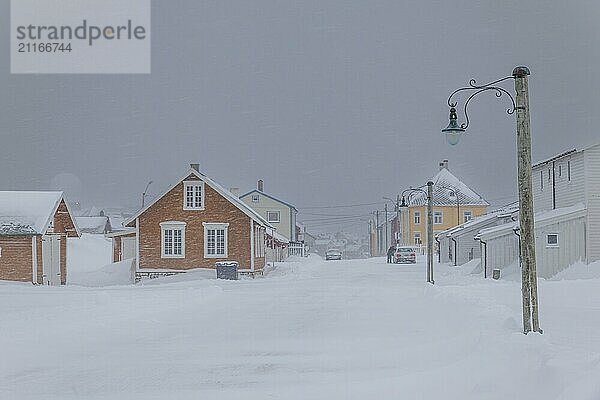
[34, 227]
[194, 224]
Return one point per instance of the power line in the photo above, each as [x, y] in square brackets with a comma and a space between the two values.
[338, 206]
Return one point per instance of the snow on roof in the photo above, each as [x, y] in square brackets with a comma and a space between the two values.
[559, 213]
[445, 188]
[479, 220]
[27, 212]
[269, 196]
[92, 224]
[219, 189]
[278, 236]
[542, 218]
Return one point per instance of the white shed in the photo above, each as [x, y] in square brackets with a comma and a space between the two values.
[559, 237]
[459, 245]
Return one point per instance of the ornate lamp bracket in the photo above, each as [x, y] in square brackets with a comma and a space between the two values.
[478, 89]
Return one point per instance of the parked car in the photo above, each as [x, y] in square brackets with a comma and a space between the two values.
[333, 254]
[405, 254]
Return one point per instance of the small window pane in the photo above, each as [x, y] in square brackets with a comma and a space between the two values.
[552, 239]
[211, 241]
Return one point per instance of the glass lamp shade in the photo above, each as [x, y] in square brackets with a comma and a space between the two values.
[453, 131]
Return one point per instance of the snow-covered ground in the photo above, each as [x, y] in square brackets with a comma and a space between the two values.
[310, 329]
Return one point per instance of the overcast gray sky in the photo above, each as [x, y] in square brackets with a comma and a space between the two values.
[330, 102]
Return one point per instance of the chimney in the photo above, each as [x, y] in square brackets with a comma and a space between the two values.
[444, 165]
[260, 185]
[195, 167]
[235, 191]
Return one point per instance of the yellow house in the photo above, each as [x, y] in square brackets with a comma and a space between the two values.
[453, 204]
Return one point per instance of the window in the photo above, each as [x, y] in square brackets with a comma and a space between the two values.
[273, 216]
[542, 180]
[467, 215]
[417, 238]
[417, 217]
[560, 170]
[172, 239]
[438, 217]
[552, 240]
[215, 240]
[569, 171]
[548, 174]
[255, 198]
[193, 198]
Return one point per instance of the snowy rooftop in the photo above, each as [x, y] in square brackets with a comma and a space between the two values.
[477, 221]
[540, 218]
[446, 187]
[23, 212]
[95, 224]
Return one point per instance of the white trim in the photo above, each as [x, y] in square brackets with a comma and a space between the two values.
[553, 245]
[137, 243]
[172, 226]
[441, 214]
[187, 184]
[217, 226]
[246, 209]
[278, 212]
[251, 245]
[34, 263]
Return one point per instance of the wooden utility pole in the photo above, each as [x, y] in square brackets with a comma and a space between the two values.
[526, 217]
[377, 233]
[398, 234]
[386, 228]
[430, 232]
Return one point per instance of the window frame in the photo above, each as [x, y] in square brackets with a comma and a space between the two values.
[557, 244]
[172, 226]
[417, 235]
[465, 216]
[216, 226]
[255, 198]
[278, 216]
[441, 214]
[194, 184]
[417, 217]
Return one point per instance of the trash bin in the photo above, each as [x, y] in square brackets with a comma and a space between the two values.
[227, 270]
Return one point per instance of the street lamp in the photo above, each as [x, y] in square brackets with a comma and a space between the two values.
[520, 105]
[396, 204]
[145, 193]
[429, 196]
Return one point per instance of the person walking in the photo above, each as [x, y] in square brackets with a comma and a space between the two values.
[390, 254]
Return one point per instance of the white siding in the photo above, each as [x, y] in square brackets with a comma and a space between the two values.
[592, 166]
[569, 193]
[502, 251]
[571, 246]
[542, 188]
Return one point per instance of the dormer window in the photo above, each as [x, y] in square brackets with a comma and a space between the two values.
[193, 195]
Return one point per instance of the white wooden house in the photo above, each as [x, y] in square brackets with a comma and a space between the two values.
[459, 245]
[559, 241]
[568, 179]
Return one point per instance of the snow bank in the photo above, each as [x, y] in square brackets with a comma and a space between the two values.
[88, 263]
[579, 270]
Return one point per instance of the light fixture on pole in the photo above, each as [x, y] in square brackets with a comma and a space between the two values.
[429, 196]
[520, 106]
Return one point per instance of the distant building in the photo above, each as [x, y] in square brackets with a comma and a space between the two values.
[279, 213]
[98, 225]
[454, 203]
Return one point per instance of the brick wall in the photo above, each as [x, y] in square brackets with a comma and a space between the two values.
[217, 209]
[15, 260]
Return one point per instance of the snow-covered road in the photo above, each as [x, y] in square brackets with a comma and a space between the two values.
[309, 330]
